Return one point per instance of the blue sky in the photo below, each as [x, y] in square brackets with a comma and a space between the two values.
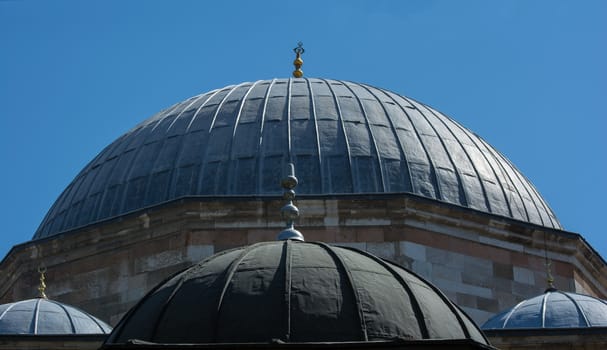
[528, 76]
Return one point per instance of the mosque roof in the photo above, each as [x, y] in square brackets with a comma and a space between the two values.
[343, 137]
[553, 309]
[43, 316]
[293, 291]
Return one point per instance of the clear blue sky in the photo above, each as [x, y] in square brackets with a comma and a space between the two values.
[528, 76]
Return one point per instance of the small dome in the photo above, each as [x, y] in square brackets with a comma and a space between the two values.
[294, 291]
[43, 316]
[553, 309]
[343, 137]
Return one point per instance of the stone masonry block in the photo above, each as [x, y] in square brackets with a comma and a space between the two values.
[423, 268]
[443, 257]
[503, 270]
[383, 250]
[467, 300]
[371, 234]
[523, 275]
[413, 250]
[446, 272]
[464, 288]
[195, 253]
[479, 316]
[157, 261]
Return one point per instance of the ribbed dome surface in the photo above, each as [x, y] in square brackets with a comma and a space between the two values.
[42, 316]
[344, 138]
[294, 292]
[553, 309]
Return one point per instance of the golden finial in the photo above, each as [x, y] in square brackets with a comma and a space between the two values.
[42, 287]
[299, 50]
[549, 277]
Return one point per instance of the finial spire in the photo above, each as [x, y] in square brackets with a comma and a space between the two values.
[42, 286]
[548, 263]
[289, 211]
[299, 50]
[549, 277]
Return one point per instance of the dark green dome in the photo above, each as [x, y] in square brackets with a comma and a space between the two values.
[294, 291]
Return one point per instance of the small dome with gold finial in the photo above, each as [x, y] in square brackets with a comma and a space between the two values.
[41, 316]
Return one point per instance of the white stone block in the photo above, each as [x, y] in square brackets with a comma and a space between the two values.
[383, 250]
[523, 275]
[196, 253]
[413, 250]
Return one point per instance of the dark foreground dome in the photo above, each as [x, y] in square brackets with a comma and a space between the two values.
[553, 309]
[344, 138]
[43, 316]
[296, 292]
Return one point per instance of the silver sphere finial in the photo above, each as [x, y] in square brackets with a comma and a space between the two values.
[289, 211]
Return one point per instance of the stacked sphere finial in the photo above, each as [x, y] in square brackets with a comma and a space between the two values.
[299, 50]
[289, 211]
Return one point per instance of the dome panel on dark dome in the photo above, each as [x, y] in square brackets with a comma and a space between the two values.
[343, 137]
[293, 291]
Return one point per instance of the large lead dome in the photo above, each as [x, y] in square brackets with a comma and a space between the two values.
[344, 138]
[295, 292]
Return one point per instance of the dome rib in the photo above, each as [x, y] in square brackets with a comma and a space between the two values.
[432, 173]
[372, 137]
[344, 267]
[289, 142]
[227, 279]
[288, 283]
[317, 139]
[579, 310]
[463, 196]
[213, 132]
[419, 314]
[497, 157]
[489, 164]
[478, 182]
[36, 315]
[260, 149]
[543, 309]
[166, 305]
[340, 117]
[523, 185]
[232, 173]
[69, 316]
[403, 157]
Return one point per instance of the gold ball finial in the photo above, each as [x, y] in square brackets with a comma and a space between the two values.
[42, 286]
[299, 50]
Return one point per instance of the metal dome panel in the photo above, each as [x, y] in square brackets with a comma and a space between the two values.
[343, 137]
[293, 291]
[42, 316]
[553, 309]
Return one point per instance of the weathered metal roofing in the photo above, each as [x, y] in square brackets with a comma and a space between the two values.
[293, 291]
[343, 138]
[43, 316]
[553, 309]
